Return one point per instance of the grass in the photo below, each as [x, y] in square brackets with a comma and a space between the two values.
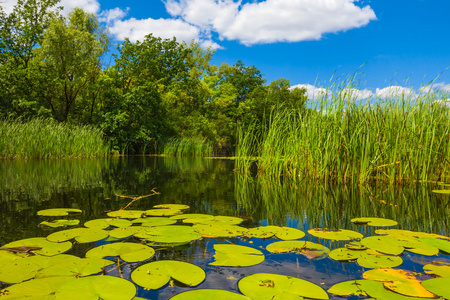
[187, 147]
[39, 138]
[341, 139]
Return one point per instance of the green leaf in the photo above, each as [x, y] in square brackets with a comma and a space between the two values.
[75, 267]
[48, 248]
[157, 274]
[97, 287]
[60, 223]
[191, 218]
[384, 244]
[172, 206]
[81, 235]
[365, 258]
[129, 252]
[126, 214]
[36, 289]
[335, 234]
[173, 234]
[263, 286]
[438, 286]
[308, 249]
[442, 245]
[439, 270]
[121, 233]
[105, 223]
[161, 212]
[374, 221]
[207, 294]
[58, 212]
[283, 233]
[409, 234]
[154, 221]
[219, 230]
[236, 256]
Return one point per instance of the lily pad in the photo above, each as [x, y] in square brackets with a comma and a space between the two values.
[163, 212]
[157, 274]
[81, 235]
[8, 256]
[410, 234]
[441, 244]
[442, 270]
[105, 223]
[366, 258]
[384, 244]
[126, 214]
[219, 230]
[217, 220]
[97, 287]
[154, 221]
[374, 221]
[263, 286]
[400, 281]
[129, 252]
[60, 223]
[121, 233]
[308, 249]
[283, 233]
[48, 248]
[172, 206]
[236, 256]
[438, 286]
[207, 294]
[80, 267]
[195, 217]
[173, 234]
[36, 289]
[335, 234]
[58, 212]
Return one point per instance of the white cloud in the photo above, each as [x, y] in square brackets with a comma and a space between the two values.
[355, 94]
[92, 6]
[395, 92]
[312, 91]
[8, 5]
[112, 15]
[272, 21]
[442, 87]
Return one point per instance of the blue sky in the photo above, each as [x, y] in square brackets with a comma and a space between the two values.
[402, 43]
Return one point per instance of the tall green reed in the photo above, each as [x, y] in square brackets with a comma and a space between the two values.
[39, 138]
[342, 139]
[187, 147]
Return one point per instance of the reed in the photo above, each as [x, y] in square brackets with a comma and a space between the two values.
[346, 140]
[187, 147]
[38, 138]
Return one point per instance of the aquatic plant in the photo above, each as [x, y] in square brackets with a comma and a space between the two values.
[187, 147]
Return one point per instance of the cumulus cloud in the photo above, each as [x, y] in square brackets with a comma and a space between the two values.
[112, 15]
[8, 5]
[91, 6]
[442, 87]
[355, 94]
[395, 92]
[312, 91]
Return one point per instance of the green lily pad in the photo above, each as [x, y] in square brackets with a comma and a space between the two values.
[81, 235]
[129, 252]
[438, 286]
[172, 206]
[441, 244]
[48, 248]
[60, 223]
[219, 230]
[283, 233]
[263, 286]
[207, 294]
[126, 214]
[8, 256]
[217, 220]
[105, 223]
[157, 274]
[173, 234]
[193, 217]
[121, 233]
[400, 281]
[308, 249]
[236, 256]
[162, 212]
[384, 244]
[97, 287]
[365, 258]
[335, 234]
[364, 287]
[410, 234]
[355, 246]
[374, 221]
[154, 221]
[442, 270]
[26, 268]
[36, 289]
[80, 267]
[58, 212]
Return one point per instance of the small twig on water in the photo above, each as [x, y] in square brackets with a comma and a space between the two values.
[137, 197]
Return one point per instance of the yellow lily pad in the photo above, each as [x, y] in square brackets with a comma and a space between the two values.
[105, 223]
[60, 223]
[172, 206]
[58, 212]
[283, 233]
[129, 252]
[48, 248]
[219, 230]
[437, 269]
[126, 214]
[439, 286]
[307, 249]
[172, 234]
[81, 235]
[335, 234]
[374, 221]
[228, 255]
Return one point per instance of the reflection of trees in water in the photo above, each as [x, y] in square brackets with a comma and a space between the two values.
[306, 206]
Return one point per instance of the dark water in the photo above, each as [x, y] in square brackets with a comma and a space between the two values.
[211, 186]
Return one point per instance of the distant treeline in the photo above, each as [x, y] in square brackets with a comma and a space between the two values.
[154, 91]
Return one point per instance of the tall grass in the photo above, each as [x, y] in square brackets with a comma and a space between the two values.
[187, 147]
[342, 139]
[39, 138]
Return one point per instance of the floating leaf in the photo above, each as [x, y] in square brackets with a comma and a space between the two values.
[126, 214]
[438, 286]
[207, 294]
[121, 233]
[400, 281]
[219, 230]
[263, 286]
[335, 234]
[58, 212]
[408, 233]
[97, 287]
[236, 256]
[217, 220]
[8, 256]
[192, 217]
[355, 246]
[47, 248]
[75, 267]
[283, 233]
[60, 223]
[36, 289]
[365, 258]
[162, 212]
[129, 252]
[443, 245]
[172, 206]
[308, 249]
[384, 244]
[154, 221]
[439, 270]
[81, 235]
[157, 274]
[374, 221]
[105, 223]
[174, 234]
